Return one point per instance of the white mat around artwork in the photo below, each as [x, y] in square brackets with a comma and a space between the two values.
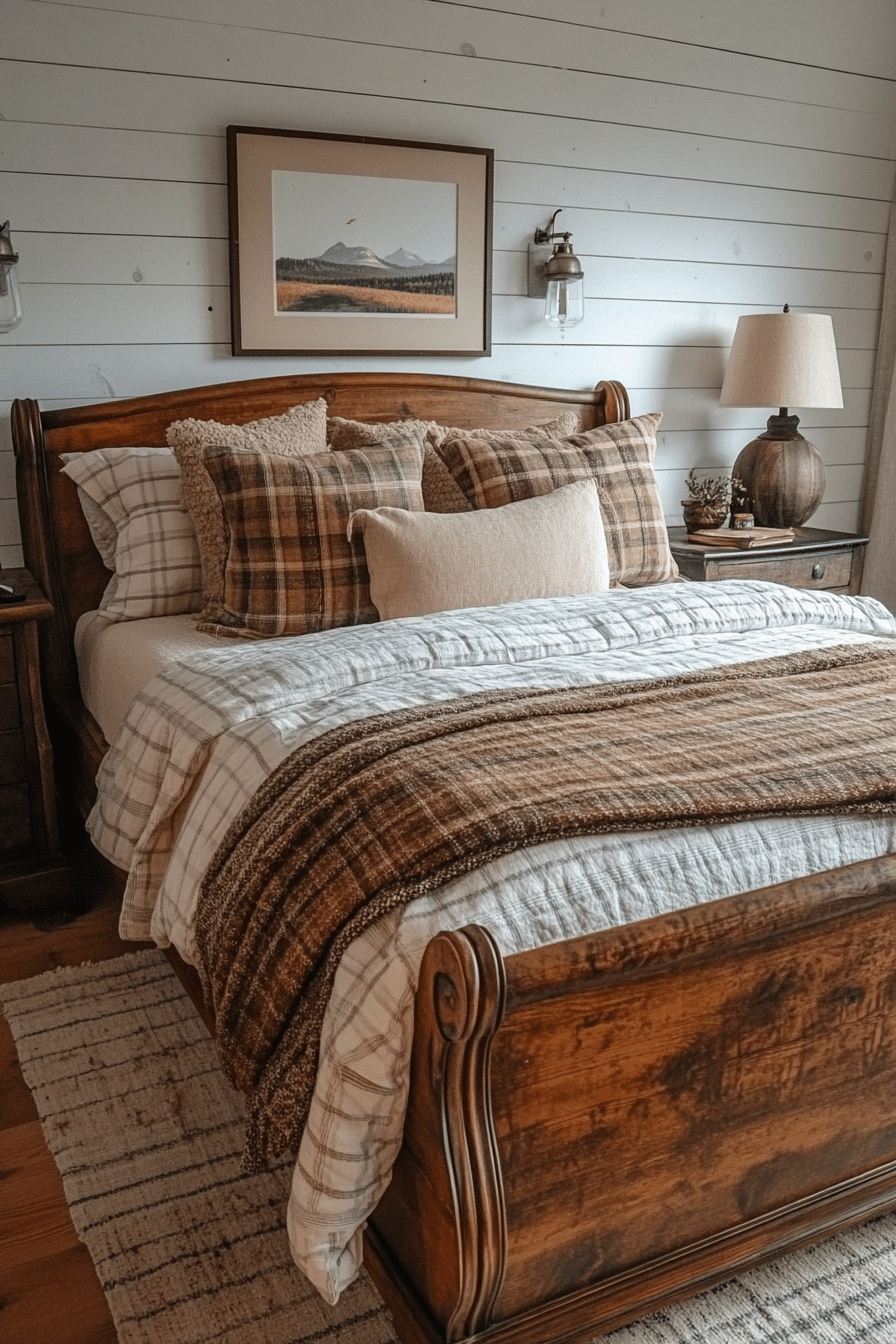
[147, 1134]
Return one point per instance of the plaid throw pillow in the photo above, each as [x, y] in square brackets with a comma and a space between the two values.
[289, 567]
[299, 431]
[131, 499]
[441, 493]
[618, 457]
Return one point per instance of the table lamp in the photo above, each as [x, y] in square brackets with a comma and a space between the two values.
[782, 359]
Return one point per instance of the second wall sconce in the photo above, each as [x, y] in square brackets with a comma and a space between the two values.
[558, 278]
[10, 301]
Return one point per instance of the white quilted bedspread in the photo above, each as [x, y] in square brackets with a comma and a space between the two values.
[204, 733]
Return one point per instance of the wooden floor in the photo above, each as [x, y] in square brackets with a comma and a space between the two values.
[49, 1291]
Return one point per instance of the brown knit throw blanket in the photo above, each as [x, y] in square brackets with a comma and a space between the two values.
[377, 812]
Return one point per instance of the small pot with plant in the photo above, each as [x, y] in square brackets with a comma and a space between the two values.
[708, 501]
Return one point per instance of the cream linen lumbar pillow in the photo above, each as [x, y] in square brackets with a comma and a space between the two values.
[548, 546]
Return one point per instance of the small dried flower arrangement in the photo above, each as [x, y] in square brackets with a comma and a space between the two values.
[709, 499]
[712, 490]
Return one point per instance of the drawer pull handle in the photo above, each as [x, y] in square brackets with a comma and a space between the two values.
[818, 571]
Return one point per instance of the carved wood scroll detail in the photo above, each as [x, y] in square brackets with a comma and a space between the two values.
[467, 975]
[436, 1244]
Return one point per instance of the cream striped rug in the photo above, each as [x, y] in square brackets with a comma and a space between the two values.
[147, 1134]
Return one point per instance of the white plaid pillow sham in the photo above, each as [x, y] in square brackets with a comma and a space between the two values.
[156, 559]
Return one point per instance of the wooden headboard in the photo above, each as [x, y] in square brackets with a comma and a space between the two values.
[57, 546]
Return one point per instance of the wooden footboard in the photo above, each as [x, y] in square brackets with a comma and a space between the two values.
[602, 1126]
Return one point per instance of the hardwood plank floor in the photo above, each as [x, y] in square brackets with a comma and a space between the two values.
[49, 1291]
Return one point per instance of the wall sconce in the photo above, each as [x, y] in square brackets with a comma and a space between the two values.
[558, 279]
[10, 300]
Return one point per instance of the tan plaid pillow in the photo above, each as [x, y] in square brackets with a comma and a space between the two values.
[299, 431]
[289, 567]
[441, 494]
[620, 459]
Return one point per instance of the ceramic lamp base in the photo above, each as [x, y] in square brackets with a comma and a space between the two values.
[783, 473]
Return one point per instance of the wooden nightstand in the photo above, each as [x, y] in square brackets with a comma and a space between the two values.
[815, 558]
[34, 879]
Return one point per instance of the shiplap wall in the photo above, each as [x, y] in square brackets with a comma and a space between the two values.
[710, 160]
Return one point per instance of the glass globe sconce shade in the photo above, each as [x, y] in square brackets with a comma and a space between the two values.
[559, 280]
[564, 303]
[10, 299]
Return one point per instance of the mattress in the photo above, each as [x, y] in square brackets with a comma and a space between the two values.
[205, 732]
[117, 658]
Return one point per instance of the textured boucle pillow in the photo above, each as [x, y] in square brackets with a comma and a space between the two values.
[441, 494]
[302, 430]
[549, 546]
[618, 457]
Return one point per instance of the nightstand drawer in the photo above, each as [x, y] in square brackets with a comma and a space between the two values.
[34, 879]
[829, 570]
[816, 558]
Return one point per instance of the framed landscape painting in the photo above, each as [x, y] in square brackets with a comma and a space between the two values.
[354, 245]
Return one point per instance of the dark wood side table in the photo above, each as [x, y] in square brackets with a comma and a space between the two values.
[815, 558]
[34, 878]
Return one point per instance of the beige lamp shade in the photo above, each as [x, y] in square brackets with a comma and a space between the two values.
[783, 359]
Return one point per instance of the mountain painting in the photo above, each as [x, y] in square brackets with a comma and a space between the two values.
[401, 257]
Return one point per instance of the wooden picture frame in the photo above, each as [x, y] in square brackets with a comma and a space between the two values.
[355, 245]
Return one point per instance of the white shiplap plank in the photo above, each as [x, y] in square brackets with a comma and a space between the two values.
[633, 322]
[7, 474]
[9, 527]
[98, 151]
[718, 448]
[497, 35]
[168, 103]
[119, 259]
[136, 314]
[766, 286]
[66, 375]
[74, 259]
[698, 410]
[802, 31]
[839, 516]
[520, 320]
[107, 205]
[148, 314]
[543, 185]
[76, 372]
[621, 233]
[92, 152]
[596, 96]
[843, 487]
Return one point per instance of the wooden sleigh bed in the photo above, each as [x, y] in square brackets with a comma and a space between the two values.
[600, 1126]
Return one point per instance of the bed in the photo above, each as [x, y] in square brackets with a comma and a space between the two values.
[608, 1120]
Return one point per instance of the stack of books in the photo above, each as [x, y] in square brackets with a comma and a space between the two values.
[742, 538]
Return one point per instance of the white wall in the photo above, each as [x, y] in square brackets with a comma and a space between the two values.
[710, 160]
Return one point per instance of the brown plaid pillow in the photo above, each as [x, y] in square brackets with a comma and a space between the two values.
[618, 457]
[299, 431]
[289, 567]
[441, 494]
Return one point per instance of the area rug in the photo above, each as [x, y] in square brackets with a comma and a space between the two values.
[147, 1134]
